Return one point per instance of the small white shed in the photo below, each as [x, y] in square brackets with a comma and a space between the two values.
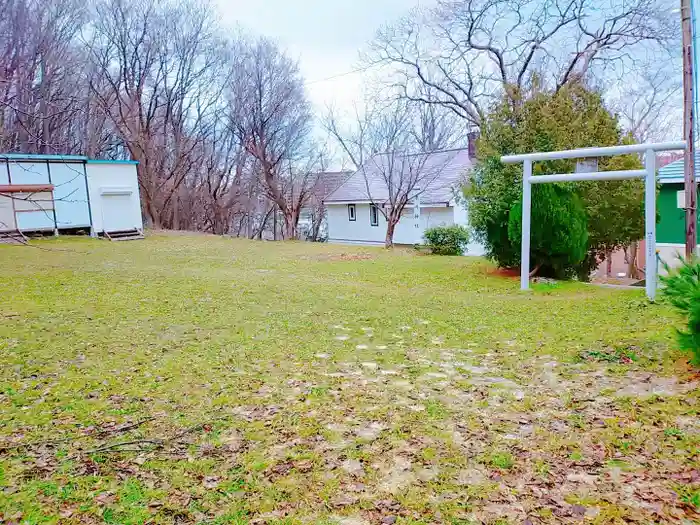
[68, 193]
[114, 196]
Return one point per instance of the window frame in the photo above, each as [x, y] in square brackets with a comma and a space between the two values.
[375, 208]
[352, 213]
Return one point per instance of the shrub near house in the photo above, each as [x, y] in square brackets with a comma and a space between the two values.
[447, 240]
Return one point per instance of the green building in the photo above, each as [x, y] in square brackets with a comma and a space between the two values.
[670, 230]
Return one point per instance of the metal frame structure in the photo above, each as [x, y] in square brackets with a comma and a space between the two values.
[648, 174]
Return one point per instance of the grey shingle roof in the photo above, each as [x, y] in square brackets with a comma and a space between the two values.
[439, 173]
[329, 181]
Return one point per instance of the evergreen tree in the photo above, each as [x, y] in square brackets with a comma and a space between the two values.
[572, 117]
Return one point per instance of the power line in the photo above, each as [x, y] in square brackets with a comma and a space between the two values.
[339, 75]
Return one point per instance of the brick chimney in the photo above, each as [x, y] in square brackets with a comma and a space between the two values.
[472, 137]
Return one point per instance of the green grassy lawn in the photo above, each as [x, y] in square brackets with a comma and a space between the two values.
[195, 379]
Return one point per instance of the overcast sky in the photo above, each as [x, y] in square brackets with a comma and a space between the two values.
[324, 35]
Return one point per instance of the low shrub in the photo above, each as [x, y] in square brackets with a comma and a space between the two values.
[682, 289]
[447, 240]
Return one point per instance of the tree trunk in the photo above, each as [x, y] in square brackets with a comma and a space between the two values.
[291, 222]
[290, 225]
[152, 214]
[390, 227]
[632, 251]
[608, 263]
[176, 212]
[316, 221]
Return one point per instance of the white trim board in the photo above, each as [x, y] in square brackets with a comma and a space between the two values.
[442, 204]
[116, 190]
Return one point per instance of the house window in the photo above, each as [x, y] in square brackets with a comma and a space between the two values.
[373, 215]
[351, 212]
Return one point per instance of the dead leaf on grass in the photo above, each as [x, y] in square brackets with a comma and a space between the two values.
[344, 500]
[179, 499]
[210, 482]
[105, 498]
[280, 469]
[582, 477]
[232, 440]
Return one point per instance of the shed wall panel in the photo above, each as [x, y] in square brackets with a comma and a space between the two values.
[28, 172]
[4, 178]
[36, 202]
[7, 214]
[35, 220]
[70, 195]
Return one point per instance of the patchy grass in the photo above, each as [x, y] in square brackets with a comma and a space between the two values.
[194, 379]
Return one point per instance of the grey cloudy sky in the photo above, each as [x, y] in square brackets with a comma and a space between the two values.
[324, 35]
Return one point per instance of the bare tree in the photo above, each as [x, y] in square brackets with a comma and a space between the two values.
[147, 80]
[271, 117]
[433, 127]
[40, 75]
[387, 144]
[159, 63]
[466, 52]
[223, 181]
[648, 105]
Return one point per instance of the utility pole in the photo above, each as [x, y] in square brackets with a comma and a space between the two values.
[688, 132]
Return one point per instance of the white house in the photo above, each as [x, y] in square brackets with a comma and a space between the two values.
[352, 209]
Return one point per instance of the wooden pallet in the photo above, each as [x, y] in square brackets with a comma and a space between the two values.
[12, 237]
[124, 235]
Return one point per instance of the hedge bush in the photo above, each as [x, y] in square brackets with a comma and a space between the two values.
[682, 289]
[447, 240]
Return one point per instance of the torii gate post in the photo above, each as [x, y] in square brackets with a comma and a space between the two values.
[648, 174]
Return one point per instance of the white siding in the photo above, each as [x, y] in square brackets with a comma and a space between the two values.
[669, 253]
[114, 179]
[462, 218]
[341, 230]
[359, 231]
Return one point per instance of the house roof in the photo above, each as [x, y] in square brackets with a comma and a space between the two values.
[439, 173]
[329, 181]
[674, 171]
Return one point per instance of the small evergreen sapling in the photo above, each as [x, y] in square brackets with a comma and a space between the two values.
[682, 289]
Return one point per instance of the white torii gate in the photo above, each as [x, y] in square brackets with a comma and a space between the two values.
[648, 174]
